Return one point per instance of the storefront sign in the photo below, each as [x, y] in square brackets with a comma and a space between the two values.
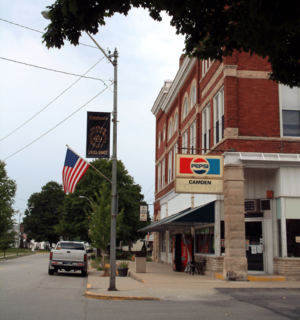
[98, 135]
[199, 174]
[143, 212]
[199, 186]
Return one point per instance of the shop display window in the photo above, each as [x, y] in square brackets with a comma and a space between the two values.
[163, 242]
[205, 240]
[292, 237]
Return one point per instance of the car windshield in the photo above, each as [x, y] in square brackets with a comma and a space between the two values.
[71, 246]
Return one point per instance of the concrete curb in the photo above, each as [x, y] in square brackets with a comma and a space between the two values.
[91, 295]
[136, 278]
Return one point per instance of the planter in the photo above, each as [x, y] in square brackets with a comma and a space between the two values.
[122, 272]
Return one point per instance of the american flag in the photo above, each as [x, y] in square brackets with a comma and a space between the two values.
[74, 169]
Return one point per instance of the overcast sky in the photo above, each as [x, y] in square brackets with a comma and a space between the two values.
[149, 53]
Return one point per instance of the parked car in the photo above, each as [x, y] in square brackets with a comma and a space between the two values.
[68, 256]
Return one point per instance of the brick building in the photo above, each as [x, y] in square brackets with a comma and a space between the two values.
[230, 109]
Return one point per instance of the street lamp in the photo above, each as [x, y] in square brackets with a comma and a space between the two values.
[86, 198]
[112, 282]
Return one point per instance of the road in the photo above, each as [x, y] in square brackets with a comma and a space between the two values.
[27, 292]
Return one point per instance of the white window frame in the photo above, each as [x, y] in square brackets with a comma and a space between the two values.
[163, 174]
[193, 138]
[193, 96]
[206, 128]
[170, 130]
[184, 141]
[185, 107]
[174, 155]
[281, 110]
[176, 121]
[218, 116]
[159, 139]
[170, 171]
[164, 133]
[159, 177]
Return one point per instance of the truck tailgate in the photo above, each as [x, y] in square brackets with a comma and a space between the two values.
[68, 255]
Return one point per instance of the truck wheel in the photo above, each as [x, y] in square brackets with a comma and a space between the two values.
[83, 273]
[50, 271]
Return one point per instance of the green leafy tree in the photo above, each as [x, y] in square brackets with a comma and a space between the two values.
[73, 221]
[212, 28]
[8, 188]
[99, 218]
[42, 214]
[7, 240]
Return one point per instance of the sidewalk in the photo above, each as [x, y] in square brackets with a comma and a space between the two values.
[161, 283]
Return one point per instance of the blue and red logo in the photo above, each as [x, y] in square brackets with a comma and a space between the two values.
[199, 166]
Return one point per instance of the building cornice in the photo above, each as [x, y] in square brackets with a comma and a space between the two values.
[167, 97]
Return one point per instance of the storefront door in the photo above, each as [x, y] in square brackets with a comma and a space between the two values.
[254, 245]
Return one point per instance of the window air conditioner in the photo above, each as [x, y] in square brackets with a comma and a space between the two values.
[252, 205]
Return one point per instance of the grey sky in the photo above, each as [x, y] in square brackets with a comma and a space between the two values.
[149, 53]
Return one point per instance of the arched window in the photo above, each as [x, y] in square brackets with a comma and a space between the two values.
[193, 98]
[185, 108]
[170, 129]
[176, 121]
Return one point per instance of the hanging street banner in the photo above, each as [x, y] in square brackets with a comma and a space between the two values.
[98, 135]
[199, 174]
[143, 212]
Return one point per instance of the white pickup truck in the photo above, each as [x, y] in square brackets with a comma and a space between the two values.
[69, 255]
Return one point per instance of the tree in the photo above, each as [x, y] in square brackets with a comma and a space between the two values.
[7, 240]
[8, 188]
[213, 28]
[100, 219]
[73, 221]
[42, 214]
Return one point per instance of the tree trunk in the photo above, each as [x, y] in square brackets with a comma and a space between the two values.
[129, 247]
[103, 259]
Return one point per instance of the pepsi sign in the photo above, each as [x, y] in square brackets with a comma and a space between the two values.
[199, 166]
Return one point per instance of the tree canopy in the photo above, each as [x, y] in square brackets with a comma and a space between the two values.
[73, 220]
[8, 188]
[42, 214]
[213, 28]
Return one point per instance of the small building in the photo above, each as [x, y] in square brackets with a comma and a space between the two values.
[230, 109]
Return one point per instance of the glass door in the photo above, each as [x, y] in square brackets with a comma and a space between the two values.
[254, 245]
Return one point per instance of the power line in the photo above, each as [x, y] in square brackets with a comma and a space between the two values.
[70, 74]
[149, 189]
[19, 25]
[52, 101]
[57, 124]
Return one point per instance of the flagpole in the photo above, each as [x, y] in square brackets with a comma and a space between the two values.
[89, 164]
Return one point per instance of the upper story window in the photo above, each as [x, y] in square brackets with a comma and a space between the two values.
[170, 130]
[290, 107]
[159, 177]
[176, 121]
[170, 166]
[219, 116]
[193, 138]
[185, 108]
[185, 142]
[206, 128]
[164, 133]
[205, 66]
[163, 173]
[159, 139]
[193, 96]
[175, 151]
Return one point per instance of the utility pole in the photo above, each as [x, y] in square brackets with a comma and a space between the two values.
[112, 280]
[19, 233]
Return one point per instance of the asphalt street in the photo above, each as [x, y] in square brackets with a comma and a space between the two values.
[28, 292]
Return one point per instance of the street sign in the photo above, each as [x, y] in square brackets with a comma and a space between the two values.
[143, 212]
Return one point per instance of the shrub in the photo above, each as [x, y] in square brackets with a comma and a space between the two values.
[123, 264]
[93, 256]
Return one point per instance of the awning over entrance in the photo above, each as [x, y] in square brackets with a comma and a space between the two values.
[184, 219]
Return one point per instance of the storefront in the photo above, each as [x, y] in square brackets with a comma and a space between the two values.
[271, 197]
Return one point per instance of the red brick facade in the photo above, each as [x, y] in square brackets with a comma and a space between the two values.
[251, 111]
